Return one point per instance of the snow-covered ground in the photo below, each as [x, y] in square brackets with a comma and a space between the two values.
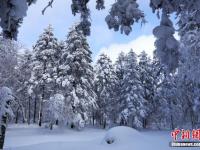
[24, 137]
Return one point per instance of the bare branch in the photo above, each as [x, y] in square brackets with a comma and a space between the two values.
[50, 3]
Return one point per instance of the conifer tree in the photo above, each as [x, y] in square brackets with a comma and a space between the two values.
[120, 74]
[188, 72]
[147, 84]
[104, 87]
[44, 59]
[77, 78]
[134, 104]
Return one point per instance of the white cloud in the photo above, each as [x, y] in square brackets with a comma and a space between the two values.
[144, 42]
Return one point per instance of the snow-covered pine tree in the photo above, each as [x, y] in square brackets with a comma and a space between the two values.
[24, 97]
[134, 104]
[104, 87]
[190, 44]
[188, 93]
[120, 74]
[169, 104]
[167, 47]
[6, 98]
[188, 72]
[56, 69]
[158, 77]
[77, 78]
[61, 64]
[44, 60]
[147, 83]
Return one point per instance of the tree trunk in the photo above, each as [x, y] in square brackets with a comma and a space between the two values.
[41, 107]
[56, 121]
[17, 116]
[25, 112]
[40, 114]
[93, 116]
[104, 124]
[29, 110]
[93, 119]
[24, 116]
[3, 131]
[35, 110]
[51, 126]
[144, 123]
[43, 96]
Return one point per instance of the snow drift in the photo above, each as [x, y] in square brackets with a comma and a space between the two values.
[121, 135]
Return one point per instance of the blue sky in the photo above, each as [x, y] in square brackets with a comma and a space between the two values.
[102, 40]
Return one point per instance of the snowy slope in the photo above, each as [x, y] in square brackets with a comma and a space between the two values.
[22, 137]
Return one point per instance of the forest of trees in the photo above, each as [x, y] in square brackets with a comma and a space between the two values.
[57, 83]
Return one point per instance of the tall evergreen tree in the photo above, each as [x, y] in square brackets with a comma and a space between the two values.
[120, 67]
[188, 72]
[104, 87]
[77, 78]
[157, 76]
[134, 104]
[169, 105]
[44, 59]
[147, 84]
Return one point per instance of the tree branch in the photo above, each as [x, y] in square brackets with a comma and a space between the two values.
[50, 3]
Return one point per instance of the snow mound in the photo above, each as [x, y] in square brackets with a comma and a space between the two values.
[121, 134]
